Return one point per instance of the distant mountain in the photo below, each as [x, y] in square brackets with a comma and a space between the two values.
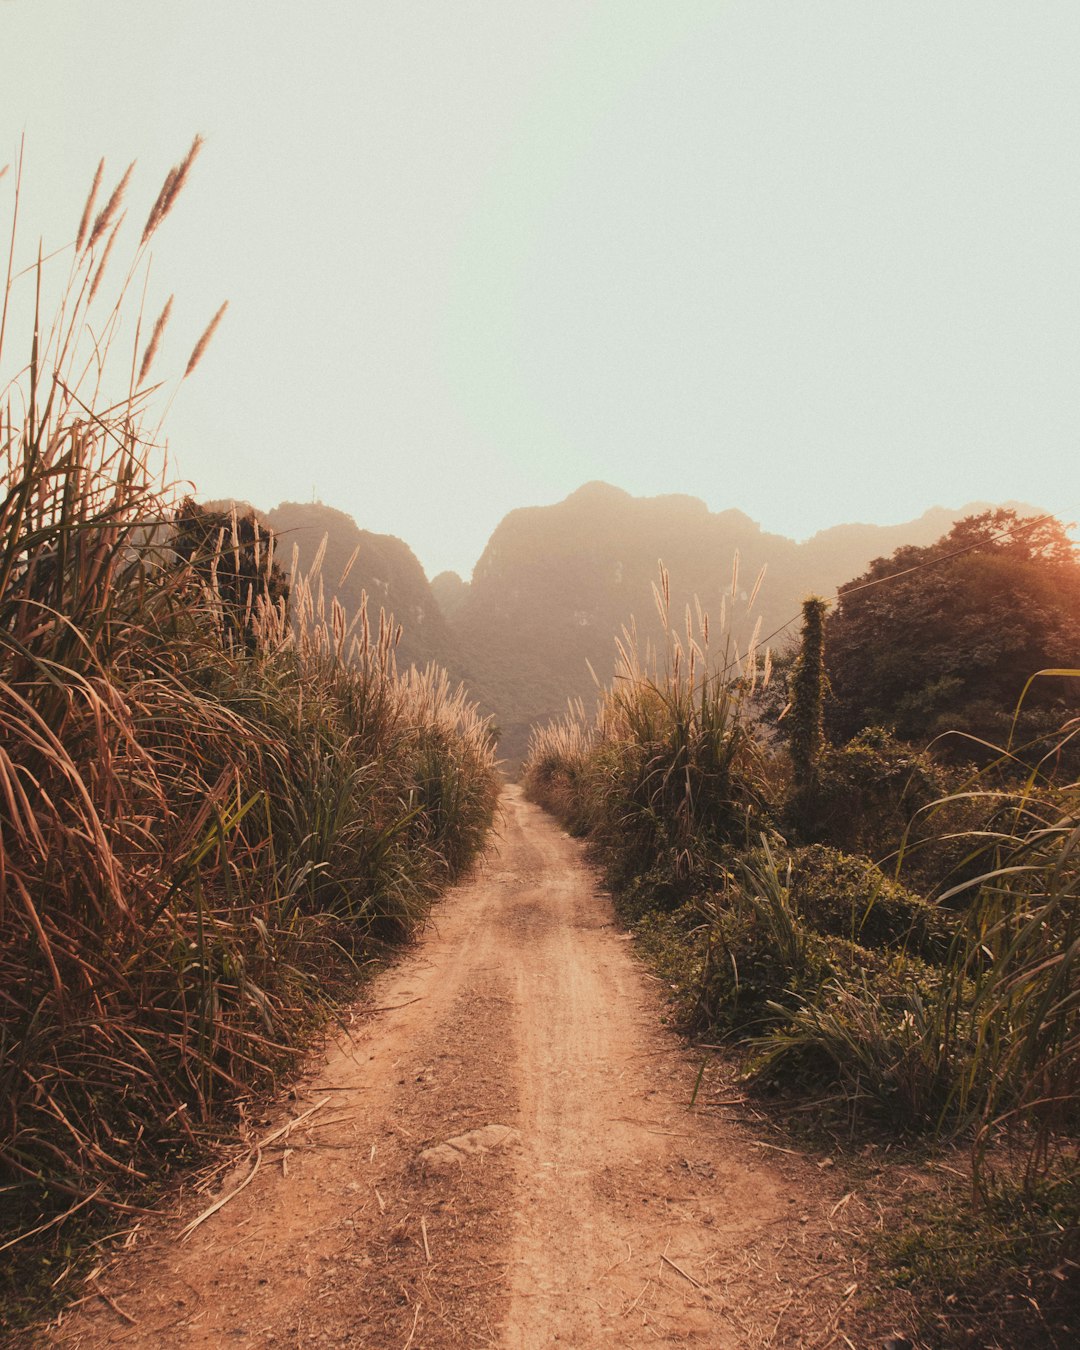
[556, 584]
[386, 570]
[450, 592]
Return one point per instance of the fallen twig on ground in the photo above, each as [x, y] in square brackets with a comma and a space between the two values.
[257, 1151]
[675, 1266]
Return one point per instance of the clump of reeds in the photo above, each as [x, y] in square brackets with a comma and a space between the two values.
[670, 768]
[215, 790]
[557, 768]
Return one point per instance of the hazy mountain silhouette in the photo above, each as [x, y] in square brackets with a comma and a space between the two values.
[386, 570]
[450, 592]
[556, 584]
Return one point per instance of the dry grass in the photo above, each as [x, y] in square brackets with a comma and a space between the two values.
[670, 770]
[209, 807]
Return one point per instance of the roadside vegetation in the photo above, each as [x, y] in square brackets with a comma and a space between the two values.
[219, 798]
[884, 927]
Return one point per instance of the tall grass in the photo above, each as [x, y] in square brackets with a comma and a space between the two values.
[958, 1014]
[669, 772]
[211, 806]
[1022, 955]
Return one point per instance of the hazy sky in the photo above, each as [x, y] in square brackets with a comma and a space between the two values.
[819, 260]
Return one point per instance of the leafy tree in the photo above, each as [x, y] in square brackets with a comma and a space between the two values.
[951, 634]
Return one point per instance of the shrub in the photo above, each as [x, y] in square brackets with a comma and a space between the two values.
[760, 960]
[864, 795]
[851, 897]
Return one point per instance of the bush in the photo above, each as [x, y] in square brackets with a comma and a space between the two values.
[775, 939]
[864, 795]
[850, 897]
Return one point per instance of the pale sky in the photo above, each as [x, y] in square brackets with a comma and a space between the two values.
[817, 259]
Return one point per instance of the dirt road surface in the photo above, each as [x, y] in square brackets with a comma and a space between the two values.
[501, 1153]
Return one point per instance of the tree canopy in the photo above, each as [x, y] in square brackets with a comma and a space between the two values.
[946, 636]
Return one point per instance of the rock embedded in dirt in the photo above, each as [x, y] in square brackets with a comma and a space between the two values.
[453, 1152]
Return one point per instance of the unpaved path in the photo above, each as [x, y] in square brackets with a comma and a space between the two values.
[604, 1213]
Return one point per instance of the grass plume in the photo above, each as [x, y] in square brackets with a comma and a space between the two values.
[200, 347]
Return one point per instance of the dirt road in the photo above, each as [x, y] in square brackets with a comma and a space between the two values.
[501, 1154]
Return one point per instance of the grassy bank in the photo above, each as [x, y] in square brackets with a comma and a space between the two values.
[218, 796]
[865, 929]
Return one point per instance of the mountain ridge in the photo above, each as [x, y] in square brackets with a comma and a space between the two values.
[556, 584]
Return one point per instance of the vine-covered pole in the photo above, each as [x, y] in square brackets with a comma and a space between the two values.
[806, 729]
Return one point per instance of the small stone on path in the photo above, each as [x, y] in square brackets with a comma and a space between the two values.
[454, 1151]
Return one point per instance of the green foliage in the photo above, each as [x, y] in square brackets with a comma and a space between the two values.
[760, 958]
[887, 1037]
[786, 925]
[1022, 956]
[865, 794]
[1002, 1273]
[949, 643]
[991, 1041]
[848, 896]
[805, 719]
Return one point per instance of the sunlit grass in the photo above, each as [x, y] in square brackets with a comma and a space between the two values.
[212, 801]
[959, 1016]
[670, 768]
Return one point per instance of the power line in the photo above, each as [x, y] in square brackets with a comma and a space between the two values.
[1028, 523]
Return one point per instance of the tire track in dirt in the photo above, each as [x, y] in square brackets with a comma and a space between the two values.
[613, 1216]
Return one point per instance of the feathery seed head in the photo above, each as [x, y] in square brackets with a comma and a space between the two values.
[104, 260]
[84, 220]
[155, 341]
[105, 215]
[204, 342]
[170, 190]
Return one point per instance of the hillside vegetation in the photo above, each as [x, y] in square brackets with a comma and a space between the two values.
[358, 568]
[219, 797]
[882, 931]
[555, 582]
